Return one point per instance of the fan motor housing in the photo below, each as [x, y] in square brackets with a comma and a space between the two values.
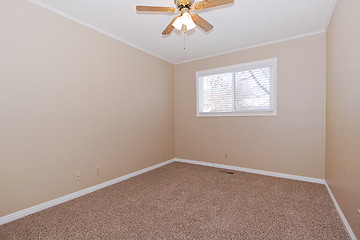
[183, 3]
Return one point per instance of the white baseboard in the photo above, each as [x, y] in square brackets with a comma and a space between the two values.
[347, 225]
[42, 206]
[249, 170]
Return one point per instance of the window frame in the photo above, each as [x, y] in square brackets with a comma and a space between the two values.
[236, 68]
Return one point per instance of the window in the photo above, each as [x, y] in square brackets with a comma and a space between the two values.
[241, 90]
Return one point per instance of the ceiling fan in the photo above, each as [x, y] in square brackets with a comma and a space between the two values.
[186, 18]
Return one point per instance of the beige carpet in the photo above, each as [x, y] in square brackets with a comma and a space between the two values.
[185, 201]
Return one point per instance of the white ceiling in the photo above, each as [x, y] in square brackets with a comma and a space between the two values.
[244, 24]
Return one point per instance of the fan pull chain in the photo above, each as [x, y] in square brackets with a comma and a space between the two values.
[184, 52]
[184, 39]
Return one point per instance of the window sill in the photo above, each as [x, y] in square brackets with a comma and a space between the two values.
[238, 114]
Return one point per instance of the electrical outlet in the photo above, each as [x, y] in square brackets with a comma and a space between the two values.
[77, 176]
[359, 217]
[226, 155]
[97, 171]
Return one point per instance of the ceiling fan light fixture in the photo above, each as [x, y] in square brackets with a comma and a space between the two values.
[186, 20]
[190, 21]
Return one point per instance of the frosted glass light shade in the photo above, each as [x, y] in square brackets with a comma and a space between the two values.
[187, 21]
[178, 23]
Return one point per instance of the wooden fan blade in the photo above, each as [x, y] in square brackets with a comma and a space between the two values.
[170, 27]
[205, 25]
[211, 3]
[155, 9]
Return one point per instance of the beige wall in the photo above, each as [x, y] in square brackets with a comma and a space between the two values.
[343, 109]
[292, 142]
[73, 99]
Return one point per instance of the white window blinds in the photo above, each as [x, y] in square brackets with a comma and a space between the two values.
[246, 89]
